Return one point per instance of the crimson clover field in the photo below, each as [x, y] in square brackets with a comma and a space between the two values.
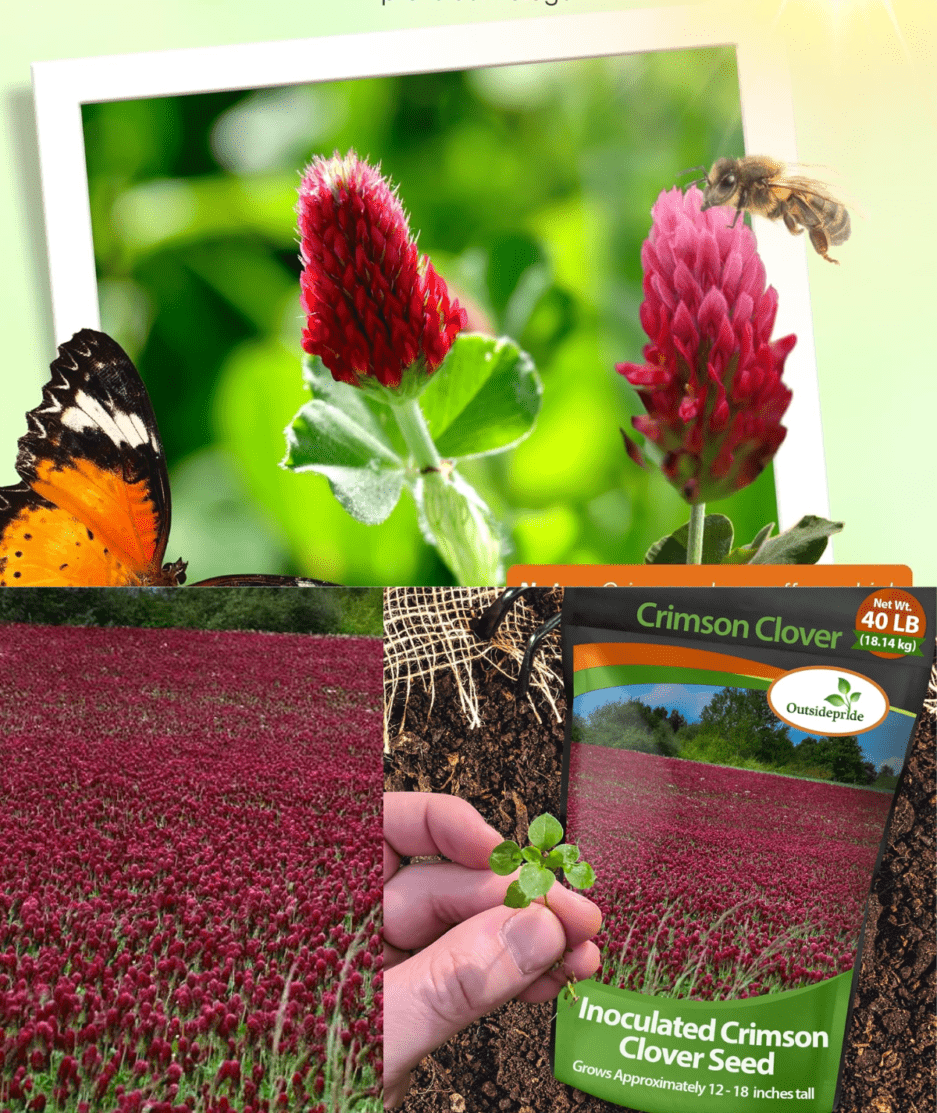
[189, 881]
[719, 883]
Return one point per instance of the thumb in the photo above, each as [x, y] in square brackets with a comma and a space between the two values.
[476, 966]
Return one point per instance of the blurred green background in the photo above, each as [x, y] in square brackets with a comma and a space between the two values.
[530, 188]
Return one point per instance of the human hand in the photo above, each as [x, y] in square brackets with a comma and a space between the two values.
[470, 953]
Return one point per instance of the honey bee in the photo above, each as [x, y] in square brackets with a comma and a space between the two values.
[758, 184]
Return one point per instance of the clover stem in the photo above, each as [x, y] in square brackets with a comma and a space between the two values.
[415, 432]
[694, 541]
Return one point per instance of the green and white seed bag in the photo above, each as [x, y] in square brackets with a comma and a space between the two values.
[732, 758]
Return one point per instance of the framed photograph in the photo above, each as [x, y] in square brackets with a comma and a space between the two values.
[527, 156]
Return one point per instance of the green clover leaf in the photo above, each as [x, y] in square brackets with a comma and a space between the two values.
[562, 857]
[545, 832]
[515, 896]
[540, 863]
[505, 858]
[535, 881]
[581, 876]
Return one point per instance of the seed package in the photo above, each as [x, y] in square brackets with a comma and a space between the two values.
[732, 755]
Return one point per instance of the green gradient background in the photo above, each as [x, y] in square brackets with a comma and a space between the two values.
[864, 98]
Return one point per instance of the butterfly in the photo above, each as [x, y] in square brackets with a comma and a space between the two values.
[92, 507]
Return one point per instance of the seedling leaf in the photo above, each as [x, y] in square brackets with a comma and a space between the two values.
[581, 876]
[540, 863]
[836, 701]
[562, 857]
[569, 991]
[843, 685]
[505, 858]
[515, 897]
[545, 832]
[535, 881]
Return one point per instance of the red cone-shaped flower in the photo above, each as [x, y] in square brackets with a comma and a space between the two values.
[373, 306]
[711, 381]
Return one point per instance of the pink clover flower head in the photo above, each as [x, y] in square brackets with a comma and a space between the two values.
[373, 305]
[711, 380]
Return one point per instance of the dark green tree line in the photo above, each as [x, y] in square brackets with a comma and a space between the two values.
[631, 725]
[280, 610]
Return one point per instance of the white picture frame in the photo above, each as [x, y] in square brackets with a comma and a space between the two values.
[62, 87]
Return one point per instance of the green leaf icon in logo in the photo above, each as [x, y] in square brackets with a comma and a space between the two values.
[838, 700]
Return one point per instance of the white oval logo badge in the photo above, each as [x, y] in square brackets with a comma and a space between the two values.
[828, 701]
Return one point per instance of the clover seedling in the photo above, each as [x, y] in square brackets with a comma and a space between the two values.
[540, 864]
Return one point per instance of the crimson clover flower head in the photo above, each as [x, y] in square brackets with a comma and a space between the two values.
[711, 380]
[374, 307]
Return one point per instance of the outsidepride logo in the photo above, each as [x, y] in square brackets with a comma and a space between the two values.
[828, 701]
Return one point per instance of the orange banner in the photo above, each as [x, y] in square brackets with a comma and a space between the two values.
[709, 575]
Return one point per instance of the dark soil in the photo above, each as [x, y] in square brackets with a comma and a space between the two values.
[510, 768]
[890, 1060]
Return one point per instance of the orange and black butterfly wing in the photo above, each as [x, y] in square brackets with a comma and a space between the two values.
[93, 505]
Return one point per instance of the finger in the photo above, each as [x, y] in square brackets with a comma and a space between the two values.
[577, 965]
[422, 901]
[393, 956]
[391, 861]
[427, 823]
[582, 962]
[474, 968]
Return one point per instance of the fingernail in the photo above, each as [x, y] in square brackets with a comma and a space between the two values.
[534, 938]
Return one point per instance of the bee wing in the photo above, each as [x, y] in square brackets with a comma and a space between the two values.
[800, 184]
[830, 217]
[800, 176]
